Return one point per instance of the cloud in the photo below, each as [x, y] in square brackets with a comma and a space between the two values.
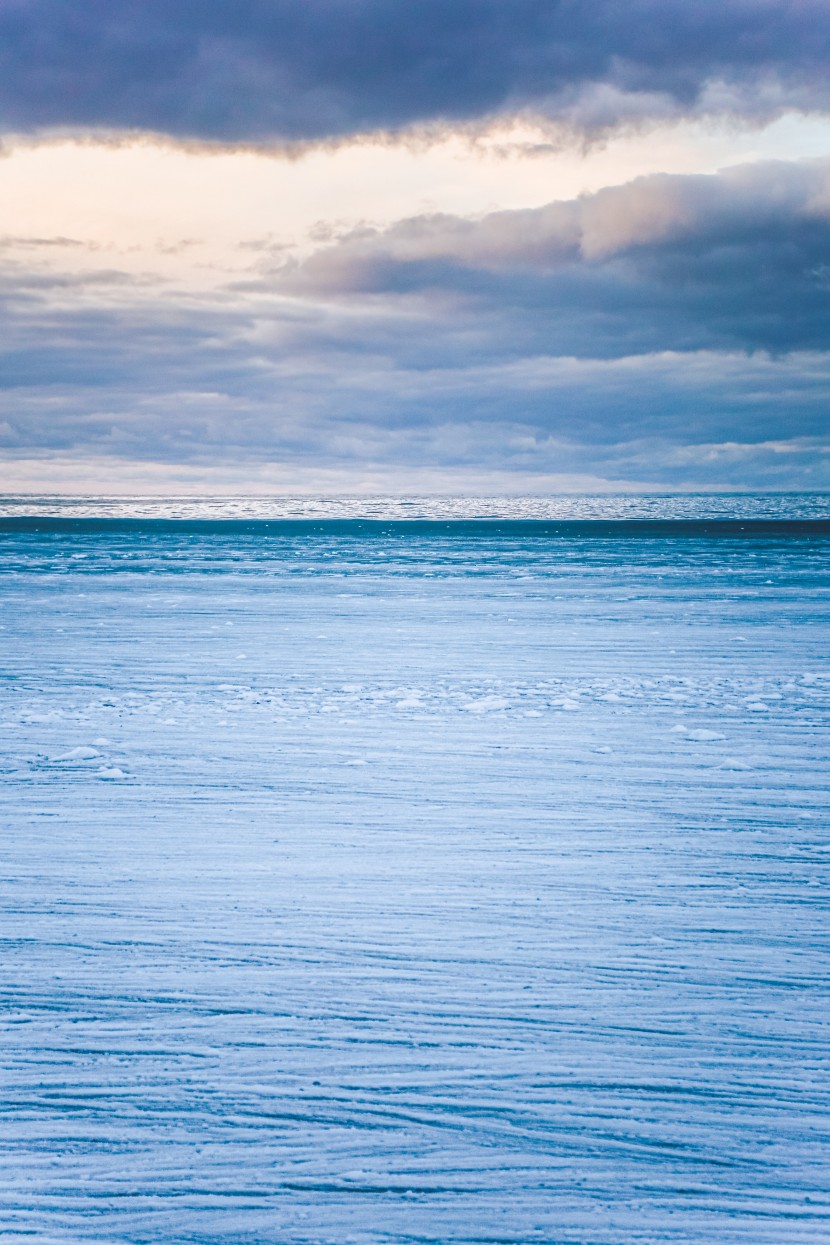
[672, 331]
[670, 421]
[735, 260]
[280, 70]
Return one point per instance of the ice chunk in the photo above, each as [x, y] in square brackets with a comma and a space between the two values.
[486, 704]
[82, 753]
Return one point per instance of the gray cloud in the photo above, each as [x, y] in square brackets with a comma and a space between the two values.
[265, 70]
[736, 260]
[672, 331]
[704, 419]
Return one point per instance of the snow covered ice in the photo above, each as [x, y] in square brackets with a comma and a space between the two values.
[397, 882]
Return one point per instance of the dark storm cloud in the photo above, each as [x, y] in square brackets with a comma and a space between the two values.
[260, 70]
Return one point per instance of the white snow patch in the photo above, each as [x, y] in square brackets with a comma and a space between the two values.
[486, 704]
[82, 753]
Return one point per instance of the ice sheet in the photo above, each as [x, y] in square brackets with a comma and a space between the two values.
[413, 887]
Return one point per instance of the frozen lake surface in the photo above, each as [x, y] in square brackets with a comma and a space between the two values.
[409, 882]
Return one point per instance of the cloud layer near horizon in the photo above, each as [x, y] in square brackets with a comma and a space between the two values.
[278, 70]
[672, 331]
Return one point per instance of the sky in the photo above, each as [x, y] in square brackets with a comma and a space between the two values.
[474, 246]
